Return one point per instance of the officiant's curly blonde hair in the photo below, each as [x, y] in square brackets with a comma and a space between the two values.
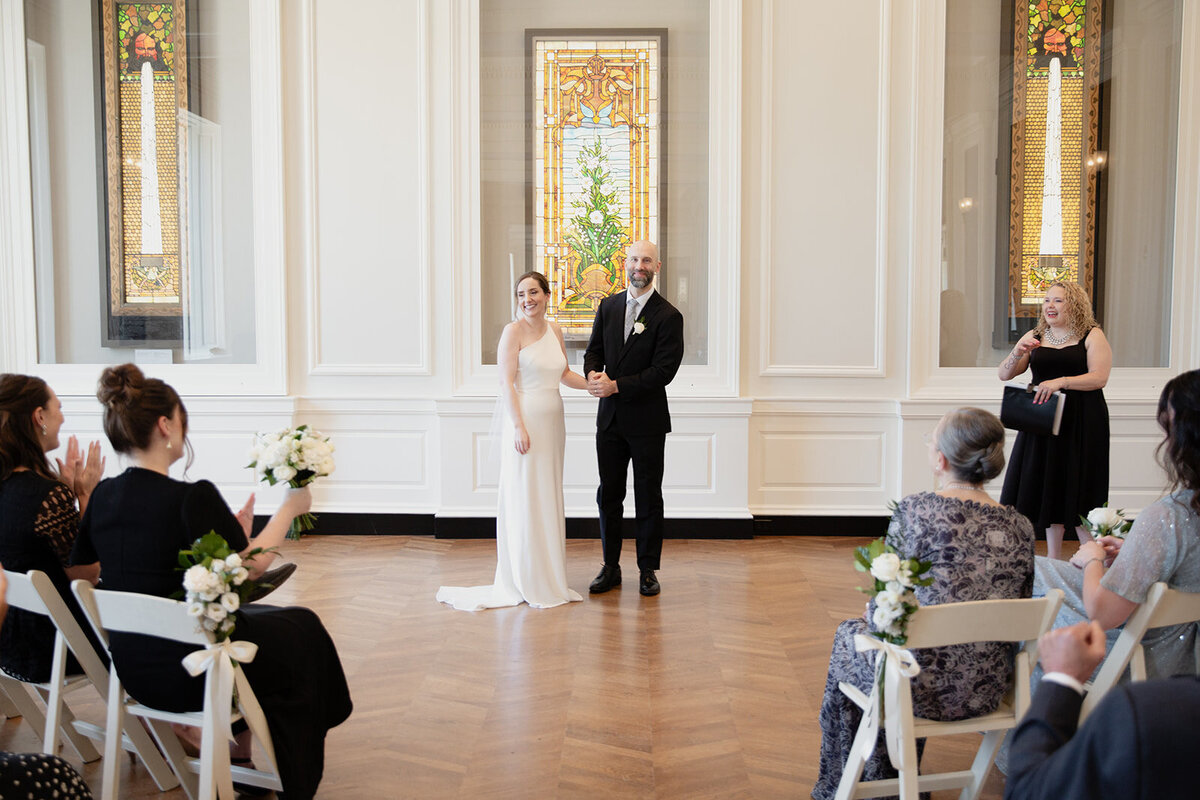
[1079, 311]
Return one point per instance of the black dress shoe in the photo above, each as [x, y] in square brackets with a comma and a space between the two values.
[270, 581]
[608, 578]
[649, 585]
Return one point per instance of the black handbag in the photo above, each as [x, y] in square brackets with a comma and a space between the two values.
[1018, 411]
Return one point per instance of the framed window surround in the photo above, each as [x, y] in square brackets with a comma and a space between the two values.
[940, 202]
[495, 238]
[263, 372]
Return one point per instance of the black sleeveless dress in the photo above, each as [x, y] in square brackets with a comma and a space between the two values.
[1055, 479]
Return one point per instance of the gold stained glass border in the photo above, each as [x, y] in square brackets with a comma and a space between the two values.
[117, 281]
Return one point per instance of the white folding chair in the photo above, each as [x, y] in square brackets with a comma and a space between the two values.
[34, 592]
[940, 626]
[128, 612]
[1163, 606]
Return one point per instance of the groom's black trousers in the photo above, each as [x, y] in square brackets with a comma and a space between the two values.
[614, 451]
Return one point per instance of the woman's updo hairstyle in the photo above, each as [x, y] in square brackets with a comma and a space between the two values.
[20, 396]
[972, 440]
[537, 276]
[1179, 417]
[133, 405]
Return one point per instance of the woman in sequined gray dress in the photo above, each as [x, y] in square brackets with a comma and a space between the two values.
[1164, 545]
[980, 550]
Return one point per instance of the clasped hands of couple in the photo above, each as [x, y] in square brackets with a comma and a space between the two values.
[600, 385]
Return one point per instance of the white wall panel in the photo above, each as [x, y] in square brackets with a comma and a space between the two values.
[824, 149]
[818, 457]
[813, 460]
[704, 463]
[368, 286]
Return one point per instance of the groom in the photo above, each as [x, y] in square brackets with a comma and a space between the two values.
[634, 352]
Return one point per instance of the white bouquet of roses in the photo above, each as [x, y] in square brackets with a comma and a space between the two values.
[215, 583]
[1105, 521]
[295, 456]
[895, 579]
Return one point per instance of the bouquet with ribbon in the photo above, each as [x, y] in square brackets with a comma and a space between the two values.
[215, 583]
[1105, 521]
[295, 456]
[893, 582]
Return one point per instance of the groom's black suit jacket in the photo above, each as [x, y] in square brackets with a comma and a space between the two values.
[642, 366]
[1139, 742]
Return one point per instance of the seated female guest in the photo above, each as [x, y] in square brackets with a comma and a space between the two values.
[1163, 545]
[137, 523]
[980, 550]
[38, 517]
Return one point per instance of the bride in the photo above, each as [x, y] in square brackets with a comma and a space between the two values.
[531, 545]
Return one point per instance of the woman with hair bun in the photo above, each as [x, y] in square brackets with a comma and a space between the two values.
[38, 517]
[137, 523]
[980, 550]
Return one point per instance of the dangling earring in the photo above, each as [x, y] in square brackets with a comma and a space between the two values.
[43, 429]
[168, 444]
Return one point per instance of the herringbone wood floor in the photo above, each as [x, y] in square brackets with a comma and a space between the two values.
[709, 690]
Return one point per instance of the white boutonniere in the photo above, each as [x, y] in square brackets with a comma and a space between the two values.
[639, 325]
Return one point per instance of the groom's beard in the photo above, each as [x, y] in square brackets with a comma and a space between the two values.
[639, 280]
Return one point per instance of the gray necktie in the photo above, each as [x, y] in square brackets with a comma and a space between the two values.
[630, 311]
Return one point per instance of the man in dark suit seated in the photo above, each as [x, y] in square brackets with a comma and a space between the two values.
[1139, 742]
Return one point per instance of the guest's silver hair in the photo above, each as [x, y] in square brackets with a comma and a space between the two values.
[972, 440]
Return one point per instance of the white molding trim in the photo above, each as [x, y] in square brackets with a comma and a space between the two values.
[719, 377]
[18, 345]
[310, 187]
[928, 380]
[1185, 286]
[266, 166]
[18, 303]
[876, 368]
[465, 199]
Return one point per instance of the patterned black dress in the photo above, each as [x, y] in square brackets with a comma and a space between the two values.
[979, 552]
[1054, 479]
[38, 526]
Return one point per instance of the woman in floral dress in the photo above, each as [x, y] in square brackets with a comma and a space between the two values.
[980, 550]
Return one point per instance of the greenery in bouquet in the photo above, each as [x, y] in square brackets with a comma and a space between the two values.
[295, 456]
[893, 581]
[1105, 521]
[215, 583]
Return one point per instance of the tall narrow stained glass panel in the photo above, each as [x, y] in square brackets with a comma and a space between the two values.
[1056, 151]
[145, 87]
[597, 141]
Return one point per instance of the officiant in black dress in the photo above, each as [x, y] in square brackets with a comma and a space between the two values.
[1055, 479]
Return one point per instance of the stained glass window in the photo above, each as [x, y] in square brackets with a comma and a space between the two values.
[1056, 155]
[145, 86]
[596, 165]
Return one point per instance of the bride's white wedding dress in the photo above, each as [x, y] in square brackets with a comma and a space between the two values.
[531, 547]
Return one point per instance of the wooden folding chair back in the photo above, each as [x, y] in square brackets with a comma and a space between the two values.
[1163, 607]
[36, 593]
[940, 626]
[128, 612]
